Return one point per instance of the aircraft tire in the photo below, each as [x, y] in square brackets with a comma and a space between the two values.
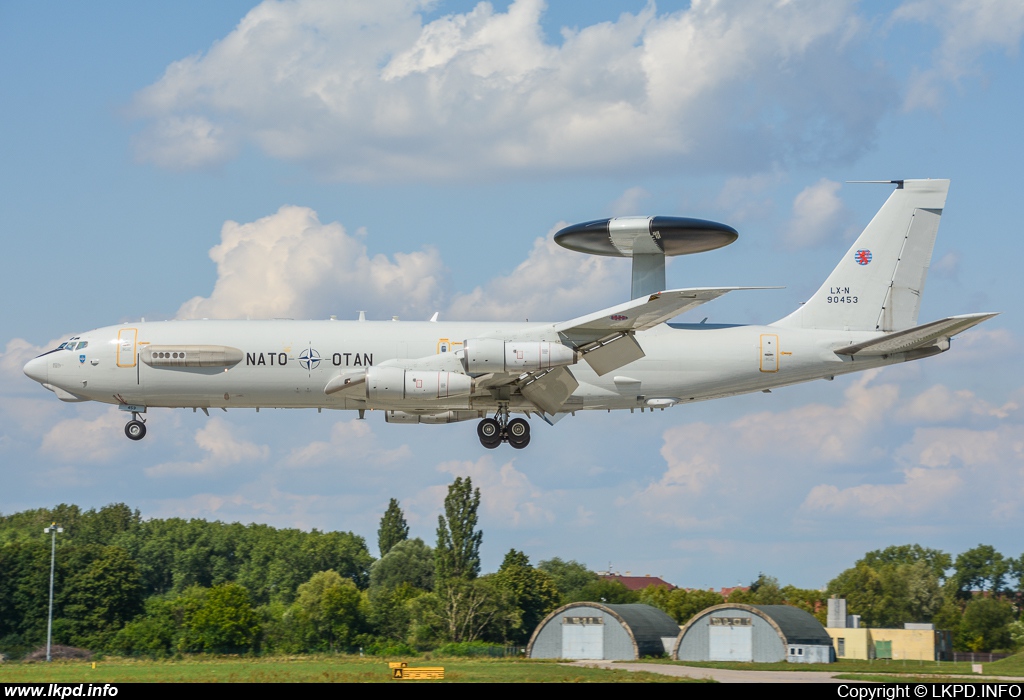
[135, 430]
[518, 432]
[489, 432]
[521, 443]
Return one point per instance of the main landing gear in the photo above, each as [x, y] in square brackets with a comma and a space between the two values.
[135, 428]
[494, 431]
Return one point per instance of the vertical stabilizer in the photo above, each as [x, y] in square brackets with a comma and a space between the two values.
[878, 283]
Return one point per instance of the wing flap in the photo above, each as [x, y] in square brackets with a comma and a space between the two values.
[929, 334]
[617, 353]
[551, 390]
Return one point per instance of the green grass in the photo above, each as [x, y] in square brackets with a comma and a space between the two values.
[315, 669]
[891, 678]
[1010, 666]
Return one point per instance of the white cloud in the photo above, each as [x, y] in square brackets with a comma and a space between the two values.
[968, 28]
[948, 265]
[827, 433]
[366, 91]
[630, 203]
[712, 471]
[256, 503]
[87, 440]
[222, 450]
[941, 404]
[551, 284]
[945, 467]
[946, 447]
[818, 463]
[744, 197]
[185, 143]
[288, 264]
[15, 354]
[818, 212]
[922, 490]
[350, 440]
[506, 494]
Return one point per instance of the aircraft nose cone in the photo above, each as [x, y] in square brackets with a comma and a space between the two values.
[36, 369]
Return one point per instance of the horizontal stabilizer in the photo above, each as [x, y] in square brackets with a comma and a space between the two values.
[935, 333]
[642, 314]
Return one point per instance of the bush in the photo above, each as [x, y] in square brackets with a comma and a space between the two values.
[470, 649]
[58, 651]
[389, 648]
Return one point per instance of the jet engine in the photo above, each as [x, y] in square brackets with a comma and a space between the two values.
[392, 384]
[483, 355]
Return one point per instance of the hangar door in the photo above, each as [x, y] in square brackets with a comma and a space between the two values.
[731, 639]
[582, 638]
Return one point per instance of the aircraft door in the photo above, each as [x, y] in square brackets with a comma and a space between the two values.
[769, 352]
[127, 347]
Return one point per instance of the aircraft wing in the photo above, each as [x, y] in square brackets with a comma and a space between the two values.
[643, 313]
[934, 333]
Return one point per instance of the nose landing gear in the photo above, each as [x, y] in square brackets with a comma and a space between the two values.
[135, 429]
[494, 431]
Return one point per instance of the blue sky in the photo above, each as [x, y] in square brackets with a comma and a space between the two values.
[427, 152]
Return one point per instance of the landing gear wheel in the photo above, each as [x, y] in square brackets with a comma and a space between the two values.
[518, 432]
[135, 430]
[489, 433]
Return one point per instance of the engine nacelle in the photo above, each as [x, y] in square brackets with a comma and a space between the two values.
[394, 384]
[483, 355]
[432, 418]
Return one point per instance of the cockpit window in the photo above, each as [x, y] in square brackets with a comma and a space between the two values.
[82, 345]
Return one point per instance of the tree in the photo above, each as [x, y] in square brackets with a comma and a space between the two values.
[890, 587]
[101, 597]
[605, 590]
[531, 593]
[224, 622]
[465, 609]
[390, 613]
[153, 634]
[409, 562]
[980, 569]
[330, 606]
[569, 576]
[862, 588]
[393, 528]
[457, 555]
[680, 604]
[985, 624]
[923, 593]
[764, 590]
[937, 561]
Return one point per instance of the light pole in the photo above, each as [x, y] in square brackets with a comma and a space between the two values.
[52, 531]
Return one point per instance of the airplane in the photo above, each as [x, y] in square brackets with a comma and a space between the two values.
[626, 357]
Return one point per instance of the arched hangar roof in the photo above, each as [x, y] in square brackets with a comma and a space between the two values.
[645, 624]
[793, 625]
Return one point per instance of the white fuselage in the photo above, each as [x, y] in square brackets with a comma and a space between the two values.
[287, 363]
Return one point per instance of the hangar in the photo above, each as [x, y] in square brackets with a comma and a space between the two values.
[602, 631]
[760, 633]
